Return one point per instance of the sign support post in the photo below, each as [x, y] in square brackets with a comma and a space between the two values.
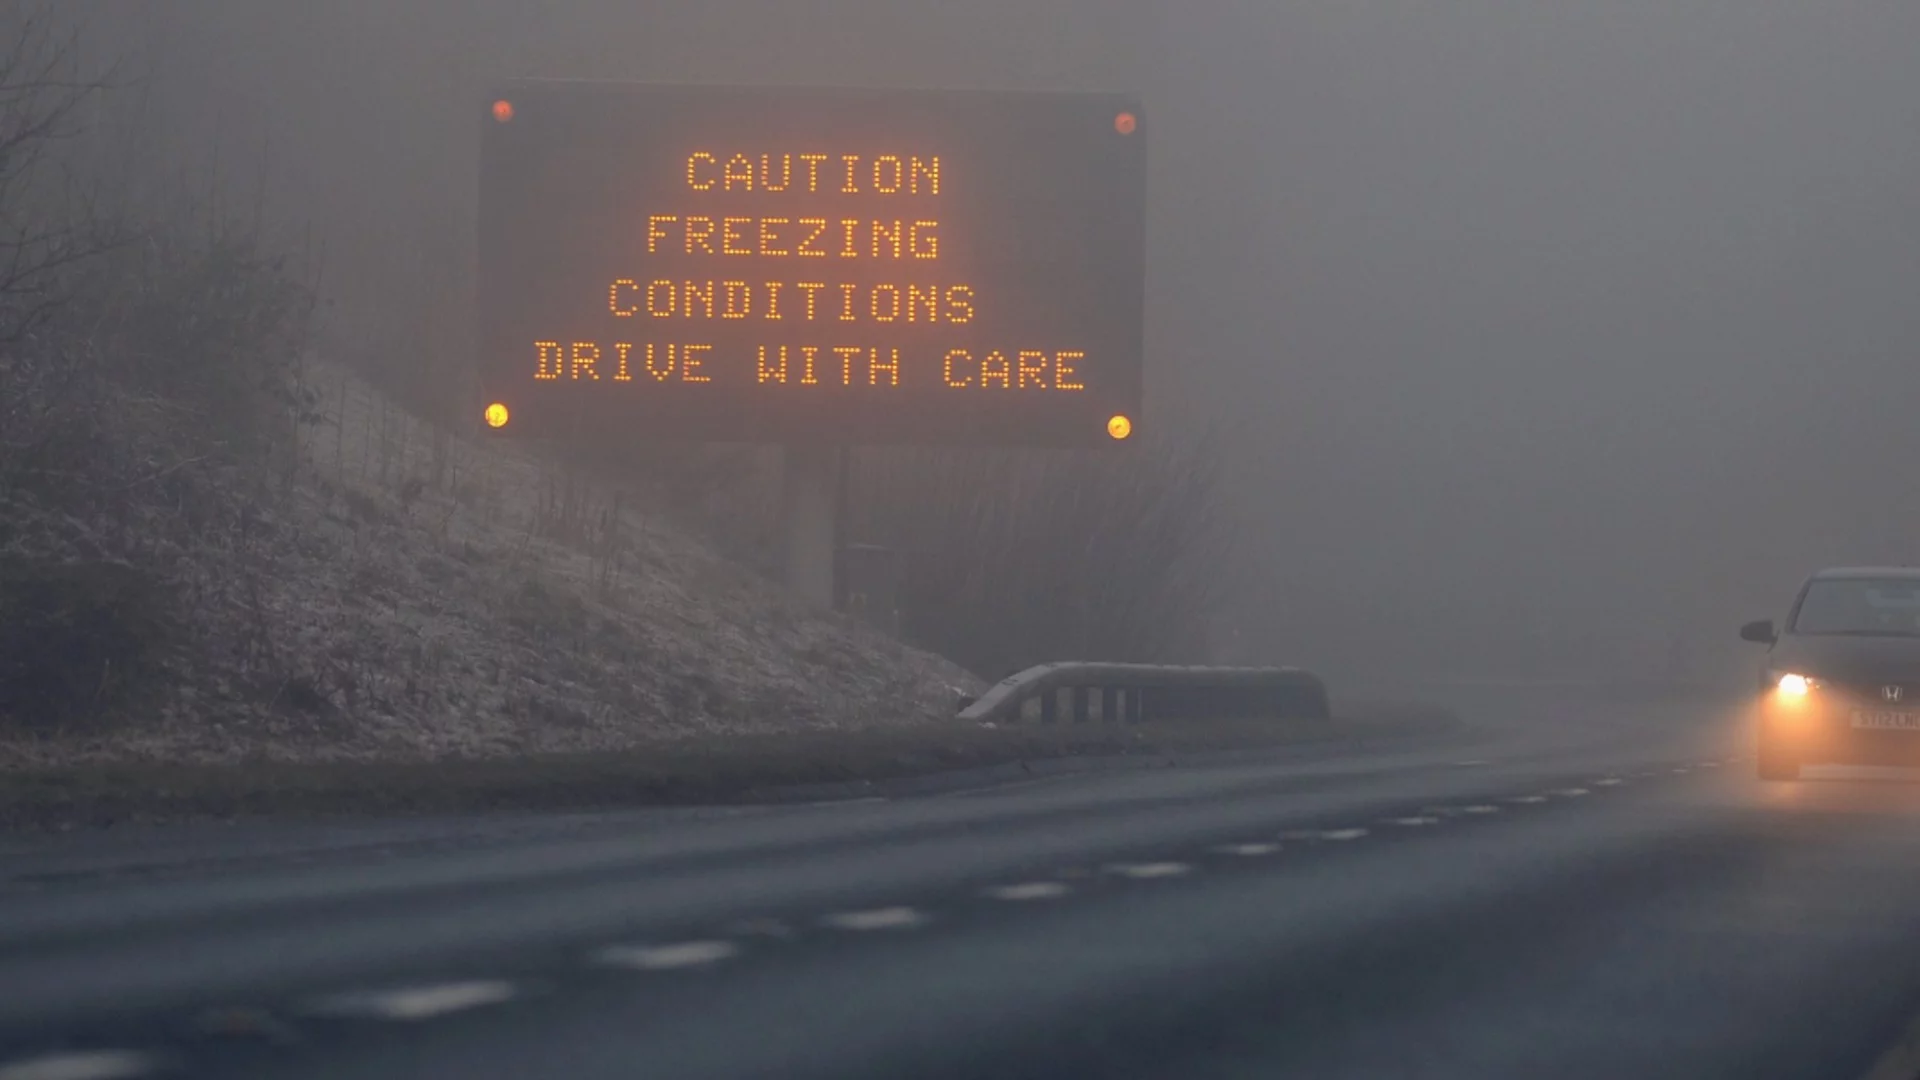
[809, 501]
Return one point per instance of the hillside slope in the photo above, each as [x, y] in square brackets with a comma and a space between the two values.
[413, 596]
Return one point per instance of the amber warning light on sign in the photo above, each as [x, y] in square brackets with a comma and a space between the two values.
[497, 415]
[1119, 427]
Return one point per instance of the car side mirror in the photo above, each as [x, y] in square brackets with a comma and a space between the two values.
[1759, 630]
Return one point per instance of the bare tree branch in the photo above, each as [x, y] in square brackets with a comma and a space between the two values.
[44, 226]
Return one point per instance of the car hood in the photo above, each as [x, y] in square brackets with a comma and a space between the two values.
[1849, 659]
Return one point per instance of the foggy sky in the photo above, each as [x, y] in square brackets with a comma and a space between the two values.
[1578, 326]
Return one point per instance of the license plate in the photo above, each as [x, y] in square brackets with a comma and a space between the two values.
[1886, 720]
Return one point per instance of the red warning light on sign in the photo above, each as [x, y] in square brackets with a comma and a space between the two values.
[1126, 123]
[503, 110]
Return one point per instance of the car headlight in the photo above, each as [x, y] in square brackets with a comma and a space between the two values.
[1794, 685]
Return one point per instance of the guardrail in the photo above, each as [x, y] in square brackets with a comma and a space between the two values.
[1131, 693]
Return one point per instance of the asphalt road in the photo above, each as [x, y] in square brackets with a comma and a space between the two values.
[1563, 888]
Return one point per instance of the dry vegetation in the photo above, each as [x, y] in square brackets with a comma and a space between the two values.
[1008, 558]
[1060, 556]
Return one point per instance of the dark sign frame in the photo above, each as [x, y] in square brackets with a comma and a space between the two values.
[793, 265]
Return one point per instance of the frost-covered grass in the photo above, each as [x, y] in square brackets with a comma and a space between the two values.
[414, 595]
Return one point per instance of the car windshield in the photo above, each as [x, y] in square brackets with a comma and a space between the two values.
[1869, 606]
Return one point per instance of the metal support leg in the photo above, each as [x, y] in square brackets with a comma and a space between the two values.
[808, 505]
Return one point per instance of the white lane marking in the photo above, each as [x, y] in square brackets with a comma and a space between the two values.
[1030, 890]
[1682, 771]
[1608, 781]
[1247, 850]
[1572, 792]
[682, 954]
[1413, 822]
[1469, 764]
[1144, 871]
[82, 1065]
[1456, 811]
[1709, 764]
[887, 918]
[418, 1002]
[1528, 799]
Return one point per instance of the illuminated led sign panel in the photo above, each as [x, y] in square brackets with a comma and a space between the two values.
[752, 264]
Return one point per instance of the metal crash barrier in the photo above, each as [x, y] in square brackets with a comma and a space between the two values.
[1132, 693]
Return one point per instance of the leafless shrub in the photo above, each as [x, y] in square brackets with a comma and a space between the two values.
[149, 370]
[1014, 556]
[44, 228]
[1017, 557]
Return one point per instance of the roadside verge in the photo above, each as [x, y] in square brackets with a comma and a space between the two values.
[680, 772]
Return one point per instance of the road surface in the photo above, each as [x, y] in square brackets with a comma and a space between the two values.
[1563, 887]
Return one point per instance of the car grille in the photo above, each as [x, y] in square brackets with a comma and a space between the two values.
[1876, 691]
